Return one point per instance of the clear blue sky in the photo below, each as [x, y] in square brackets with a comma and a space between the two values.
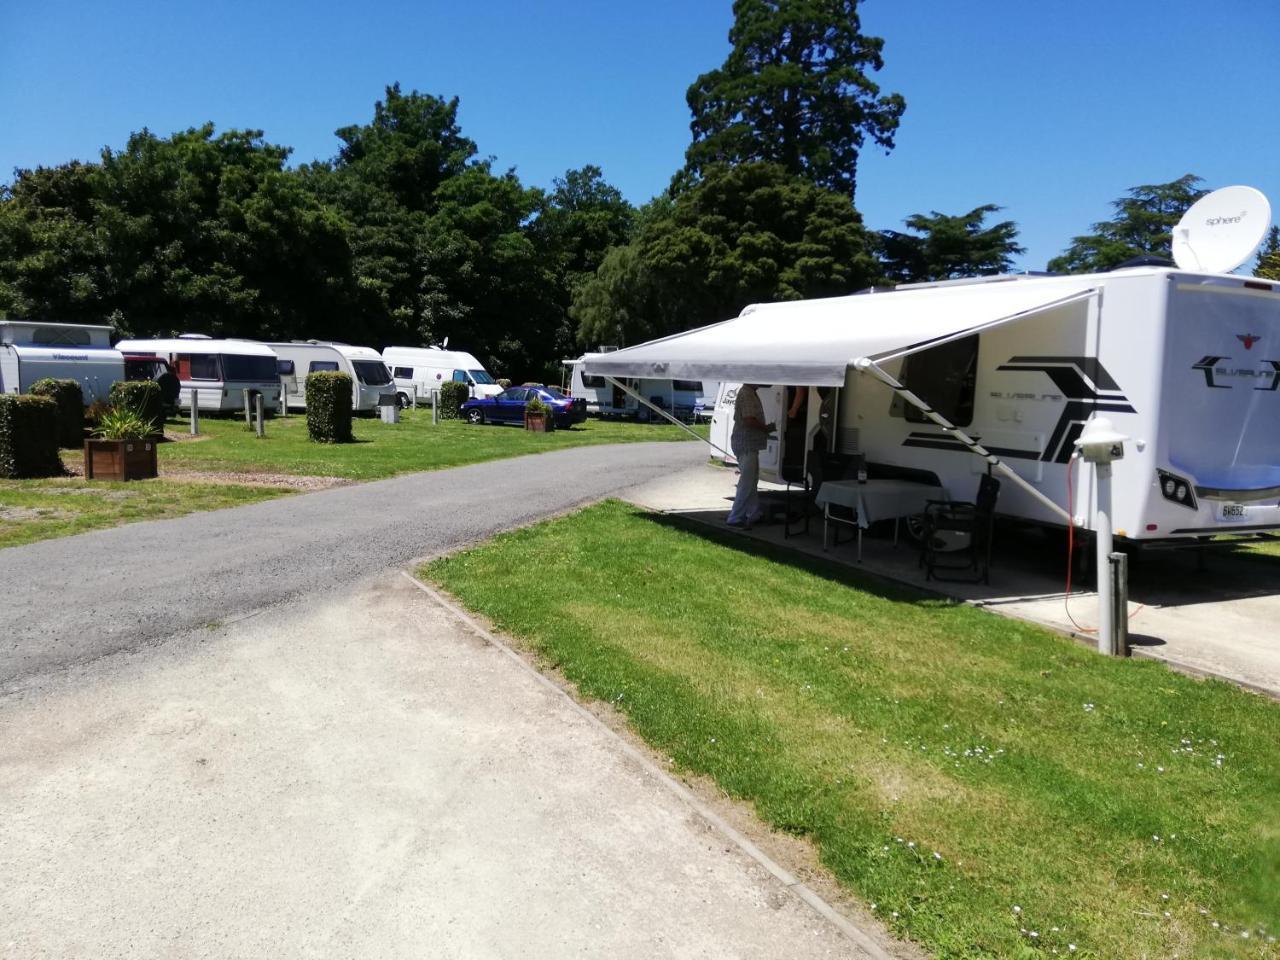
[1048, 107]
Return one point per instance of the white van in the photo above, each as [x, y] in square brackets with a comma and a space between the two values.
[425, 368]
[221, 370]
[31, 350]
[370, 379]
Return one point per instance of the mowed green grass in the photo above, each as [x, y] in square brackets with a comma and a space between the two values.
[993, 789]
[32, 510]
[382, 450]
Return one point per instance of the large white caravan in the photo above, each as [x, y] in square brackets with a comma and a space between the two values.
[681, 398]
[370, 379]
[219, 371]
[31, 350]
[947, 381]
[423, 369]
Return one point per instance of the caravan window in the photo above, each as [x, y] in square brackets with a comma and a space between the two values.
[241, 368]
[46, 337]
[284, 368]
[403, 373]
[690, 386]
[592, 383]
[323, 366]
[200, 366]
[944, 377]
[372, 373]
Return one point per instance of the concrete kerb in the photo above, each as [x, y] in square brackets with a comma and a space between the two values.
[797, 888]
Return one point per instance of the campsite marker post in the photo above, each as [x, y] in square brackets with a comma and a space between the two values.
[1100, 444]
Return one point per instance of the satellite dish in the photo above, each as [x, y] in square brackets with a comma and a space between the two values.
[445, 344]
[1221, 230]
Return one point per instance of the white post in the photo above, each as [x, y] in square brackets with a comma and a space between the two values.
[1102, 557]
[435, 406]
[415, 396]
[284, 399]
[248, 408]
[195, 412]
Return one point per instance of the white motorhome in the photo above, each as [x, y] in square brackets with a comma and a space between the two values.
[947, 381]
[370, 379]
[424, 368]
[218, 371]
[31, 350]
[680, 398]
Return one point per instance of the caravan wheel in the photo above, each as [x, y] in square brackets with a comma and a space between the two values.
[402, 401]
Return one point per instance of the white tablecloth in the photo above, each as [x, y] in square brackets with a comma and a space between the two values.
[879, 499]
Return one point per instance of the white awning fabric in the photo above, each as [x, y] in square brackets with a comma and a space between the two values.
[813, 342]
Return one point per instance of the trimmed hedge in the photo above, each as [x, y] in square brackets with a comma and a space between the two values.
[28, 437]
[329, 407]
[70, 400]
[142, 397]
[452, 396]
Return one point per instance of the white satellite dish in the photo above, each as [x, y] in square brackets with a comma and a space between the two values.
[1221, 230]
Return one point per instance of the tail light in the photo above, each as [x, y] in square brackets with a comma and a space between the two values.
[1176, 489]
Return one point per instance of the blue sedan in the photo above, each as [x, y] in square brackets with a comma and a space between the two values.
[508, 407]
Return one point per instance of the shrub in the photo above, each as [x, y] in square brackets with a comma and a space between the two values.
[537, 405]
[123, 424]
[452, 396]
[28, 436]
[503, 382]
[142, 397]
[329, 407]
[70, 400]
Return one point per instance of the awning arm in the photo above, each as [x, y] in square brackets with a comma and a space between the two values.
[865, 365]
[662, 413]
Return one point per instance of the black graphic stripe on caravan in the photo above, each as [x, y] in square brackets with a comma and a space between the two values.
[1089, 389]
[943, 441]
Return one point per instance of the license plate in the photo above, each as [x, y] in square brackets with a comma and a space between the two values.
[1231, 511]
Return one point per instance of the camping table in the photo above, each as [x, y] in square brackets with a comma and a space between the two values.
[874, 500]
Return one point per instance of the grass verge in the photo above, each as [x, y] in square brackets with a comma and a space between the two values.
[32, 510]
[977, 779]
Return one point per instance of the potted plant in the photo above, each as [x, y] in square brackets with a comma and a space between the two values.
[123, 447]
[538, 416]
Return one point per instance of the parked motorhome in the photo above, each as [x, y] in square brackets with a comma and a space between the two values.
[31, 350]
[680, 398]
[370, 379]
[219, 371]
[944, 382]
[424, 368]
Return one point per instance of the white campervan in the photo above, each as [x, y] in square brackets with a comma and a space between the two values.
[219, 371]
[684, 399]
[31, 350]
[370, 379]
[423, 369]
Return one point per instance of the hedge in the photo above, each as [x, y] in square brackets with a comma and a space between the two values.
[452, 396]
[329, 407]
[70, 400]
[142, 397]
[28, 436]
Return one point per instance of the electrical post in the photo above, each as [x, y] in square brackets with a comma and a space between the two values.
[1100, 444]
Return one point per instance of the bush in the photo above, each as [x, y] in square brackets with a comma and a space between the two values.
[70, 400]
[329, 407]
[452, 396]
[123, 424]
[28, 436]
[503, 382]
[141, 397]
[537, 405]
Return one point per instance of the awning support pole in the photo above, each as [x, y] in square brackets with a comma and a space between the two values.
[868, 366]
[658, 410]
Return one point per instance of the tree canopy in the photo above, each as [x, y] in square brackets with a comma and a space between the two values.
[1142, 226]
[943, 247]
[794, 91]
[1268, 266]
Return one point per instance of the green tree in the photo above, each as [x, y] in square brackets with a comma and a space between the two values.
[794, 91]
[742, 234]
[1268, 265]
[1142, 226]
[943, 247]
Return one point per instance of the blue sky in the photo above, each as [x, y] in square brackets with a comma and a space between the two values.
[1049, 108]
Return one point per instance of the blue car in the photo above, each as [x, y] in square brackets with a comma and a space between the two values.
[508, 407]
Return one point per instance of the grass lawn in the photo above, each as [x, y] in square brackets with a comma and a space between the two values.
[382, 450]
[33, 510]
[975, 778]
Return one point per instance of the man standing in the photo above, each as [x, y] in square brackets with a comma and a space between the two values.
[750, 436]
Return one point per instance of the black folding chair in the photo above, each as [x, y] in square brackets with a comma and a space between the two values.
[821, 466]
[973, 524]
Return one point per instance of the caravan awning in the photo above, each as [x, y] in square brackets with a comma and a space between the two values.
[813, 342]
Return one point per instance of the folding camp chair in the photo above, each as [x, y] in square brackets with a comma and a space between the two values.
[946, 521]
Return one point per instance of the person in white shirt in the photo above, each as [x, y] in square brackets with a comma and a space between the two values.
[750, 436]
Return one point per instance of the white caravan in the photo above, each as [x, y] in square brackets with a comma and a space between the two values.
[680, 398]
[219, 370]
[949, 380]
[370, 379]
[424, 368]
[31, 350]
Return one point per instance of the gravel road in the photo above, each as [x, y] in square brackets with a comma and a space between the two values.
[74, 600]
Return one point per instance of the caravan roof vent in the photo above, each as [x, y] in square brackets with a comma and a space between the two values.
[194, 336]
[1221, 230]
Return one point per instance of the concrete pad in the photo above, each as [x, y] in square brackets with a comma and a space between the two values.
[357, 777]
[1217, 622]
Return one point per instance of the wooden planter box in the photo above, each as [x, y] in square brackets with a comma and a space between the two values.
[120, 459]
[539, 423]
